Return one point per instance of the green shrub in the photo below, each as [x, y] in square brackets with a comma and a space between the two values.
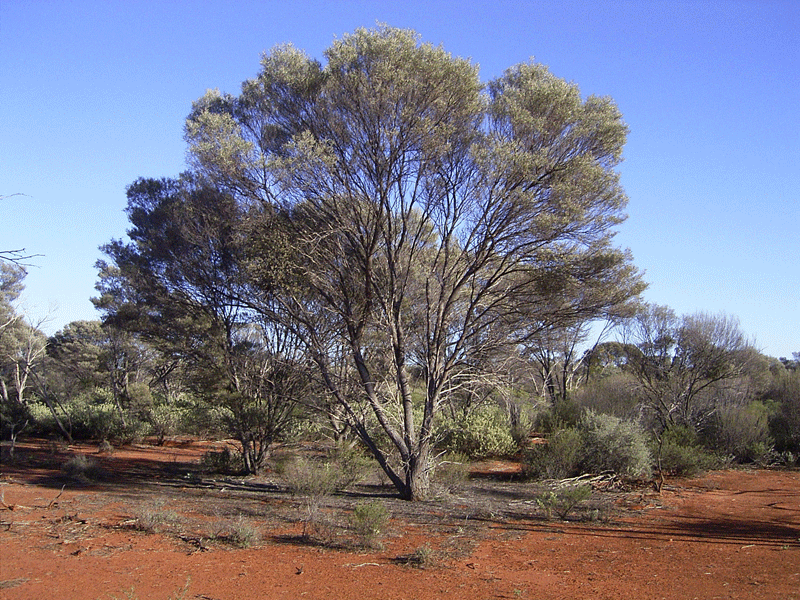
[559, 458]
[153, 518]
[741, 433]
[613, 444]
[308, 477]
[784, 422]
[351, 464]
[563, 415]
[485, 431]
[682, 453]
[613, 394]
[241, 533]
[368, 521]
[165, 420]
[563, 500]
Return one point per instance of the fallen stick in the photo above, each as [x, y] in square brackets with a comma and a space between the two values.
[57, 497]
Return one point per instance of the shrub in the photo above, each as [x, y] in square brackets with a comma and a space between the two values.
[613, 444]
[314, 480]
[559, 458]
[223, 462]
[563, 415]
[368, 521]
[563, 500]
[82, 468]
[784, 392]
[483, 432]
[164, 420]
[421, 558]
[241, 533]
[741, 432]
[351, 464]
[613, 394]
[152, 518]
[681, 453]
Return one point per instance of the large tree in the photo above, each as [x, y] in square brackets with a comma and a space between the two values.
[178, 283]
[433, 220]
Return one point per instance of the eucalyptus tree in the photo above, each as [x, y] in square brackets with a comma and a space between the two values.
[429, 220]
[679, 361]
[13, 407]
[177, 283]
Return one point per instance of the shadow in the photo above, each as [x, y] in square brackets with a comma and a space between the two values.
[682, 528]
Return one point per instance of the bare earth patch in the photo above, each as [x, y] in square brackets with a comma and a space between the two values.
[729, 534]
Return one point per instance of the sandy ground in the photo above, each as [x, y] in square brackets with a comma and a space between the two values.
[728, 534]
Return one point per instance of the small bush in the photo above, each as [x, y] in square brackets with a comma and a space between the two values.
[559, 458]
[241, 533]
[682, 454]
[484, 432]
[451, 472]
[421, 558]
[563, 500]
[164, 420]
[741, 432]
[308, 477]
[613, 444]
[222, 462]
[314, 480]
[564, 414]
[368, 521]
[82, 468]
[351, 464]
[152, 518]
[613, 394]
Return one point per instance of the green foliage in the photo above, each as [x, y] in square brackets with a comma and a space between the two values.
[614, 444]
[451, 472]
[483, 432]
[165, 420]
[309, 477]
[351, 464]
[421, 558]
[563, 500]
[741, 433]
[612, 394]
[599, 443]
[559, 458]
[784, 422]
[368, 522]
[682, 452]
[92, 416]
[154, 518]
[565, 413]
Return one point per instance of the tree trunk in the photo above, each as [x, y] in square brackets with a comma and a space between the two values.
[418, 481]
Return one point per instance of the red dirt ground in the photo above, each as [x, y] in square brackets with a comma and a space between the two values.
[729, 534]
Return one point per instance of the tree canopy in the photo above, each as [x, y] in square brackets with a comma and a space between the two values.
[435, 220]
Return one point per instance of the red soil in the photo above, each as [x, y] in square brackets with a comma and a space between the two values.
[729, 534]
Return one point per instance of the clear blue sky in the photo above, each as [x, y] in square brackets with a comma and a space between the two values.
[94, 95]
